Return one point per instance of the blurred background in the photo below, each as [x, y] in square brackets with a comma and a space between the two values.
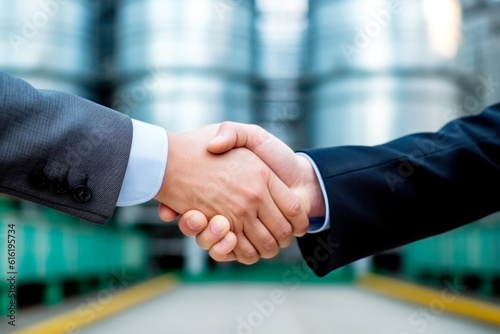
[314, 73]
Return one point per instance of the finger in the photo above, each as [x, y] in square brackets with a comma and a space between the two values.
[272, 151]
[217, 229]
[245, 252]
[281, 211]
[290, 208]
[192, 223]
[231, 257]
[231, 135]
[222, 251]
[275, 223]
[262, 239]
[166, 214]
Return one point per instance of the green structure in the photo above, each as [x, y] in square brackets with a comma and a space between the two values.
[468, 256]
[52, 249]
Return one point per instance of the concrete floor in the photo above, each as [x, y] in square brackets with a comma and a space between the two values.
[228, 308]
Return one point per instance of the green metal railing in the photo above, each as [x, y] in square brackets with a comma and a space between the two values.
[52, 248]
[471, 252]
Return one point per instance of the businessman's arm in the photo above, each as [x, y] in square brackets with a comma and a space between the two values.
[72, 155]
[389, 195]
[55, 150]
[408, 189]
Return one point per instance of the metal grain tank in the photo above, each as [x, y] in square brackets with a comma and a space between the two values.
[481, 51]
[382, 69]
[183, 64]
[281, 34]
[51, 44]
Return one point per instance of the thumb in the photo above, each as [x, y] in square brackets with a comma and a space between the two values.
[272, 151]
[224, 140]
[231, 135]
[220, 144]
[166, 214]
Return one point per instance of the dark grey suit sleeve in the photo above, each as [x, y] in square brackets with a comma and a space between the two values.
[414, 187]
[61, 151]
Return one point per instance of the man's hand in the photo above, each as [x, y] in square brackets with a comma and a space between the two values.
[261, 209]
[294, 170]
[214, 236]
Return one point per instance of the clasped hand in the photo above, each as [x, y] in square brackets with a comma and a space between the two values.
[242, 192]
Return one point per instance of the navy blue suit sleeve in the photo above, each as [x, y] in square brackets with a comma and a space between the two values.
[420, 185]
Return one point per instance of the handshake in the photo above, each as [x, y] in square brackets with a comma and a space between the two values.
[242, 192]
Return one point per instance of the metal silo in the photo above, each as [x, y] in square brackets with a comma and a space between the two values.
[481, 52]
[281, 34]
[51, 44]
[382, 69]
[183, 64]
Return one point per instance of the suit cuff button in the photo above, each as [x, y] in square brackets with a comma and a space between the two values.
[82, 194]
[59, 187]
[38, 180]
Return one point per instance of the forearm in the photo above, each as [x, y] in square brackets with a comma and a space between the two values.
[420, 185]
[61, 151]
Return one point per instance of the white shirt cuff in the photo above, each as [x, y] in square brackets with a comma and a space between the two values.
[318, 225]
[146, 165]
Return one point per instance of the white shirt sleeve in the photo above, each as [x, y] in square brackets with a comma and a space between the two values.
[318, 224]
[146, 165]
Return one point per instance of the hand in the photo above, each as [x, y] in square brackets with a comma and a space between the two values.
[294, 170]
[261, 209]
[214, 236]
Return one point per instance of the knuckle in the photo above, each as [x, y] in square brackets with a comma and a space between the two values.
[270, 245]
[284, 232]
[263, 171]
[254, 195]
[241, 210]
[295, 208]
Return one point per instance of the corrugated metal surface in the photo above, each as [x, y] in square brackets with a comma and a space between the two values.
[51, 44]
[382, 69]
[184, 64]
[281, 33]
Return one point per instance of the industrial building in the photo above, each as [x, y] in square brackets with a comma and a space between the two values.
[314, 73]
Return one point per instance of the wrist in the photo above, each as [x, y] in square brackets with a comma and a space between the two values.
[184, 177]
[168, 179]
[310, 191]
